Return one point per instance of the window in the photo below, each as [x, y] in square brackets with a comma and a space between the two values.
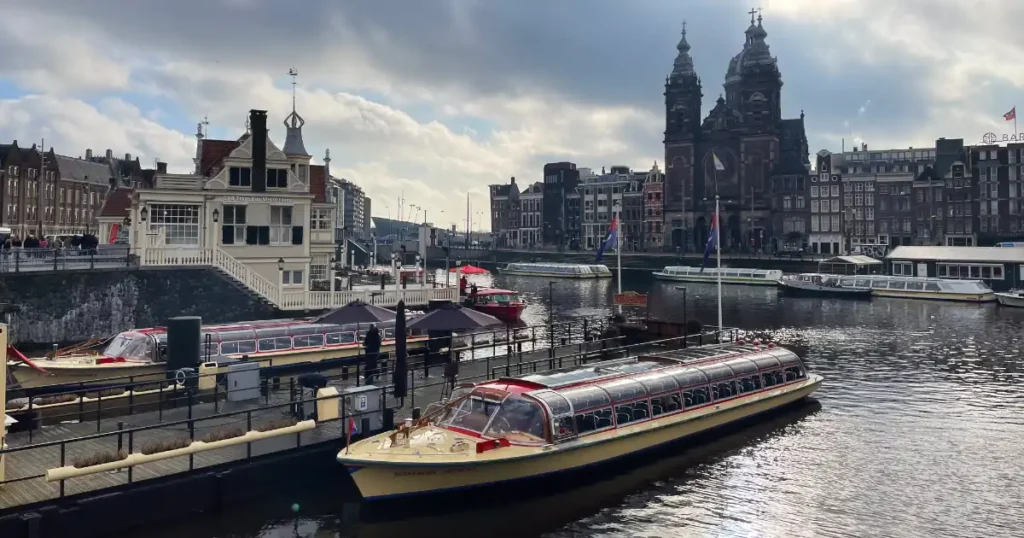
[835, 223]
[835, 206]
[835, 190]
[277, 178]
[321, 219]
[240, 176]
[814, 206]
[814, 191]
[800, 204]
[903, 268]
[280, 225]
[337, 339]
[233, 229]
[237, 348]
[175, 224]
[275, 344]
[669, 403]
[308, 340]
[292, 278]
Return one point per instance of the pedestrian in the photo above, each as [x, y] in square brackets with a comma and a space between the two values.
[371, 345]
[463, 282]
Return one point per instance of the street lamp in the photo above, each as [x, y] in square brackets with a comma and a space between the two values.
[143, 214]
[216, 216]
[280, 264]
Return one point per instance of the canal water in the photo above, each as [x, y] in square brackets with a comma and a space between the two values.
[918, 431]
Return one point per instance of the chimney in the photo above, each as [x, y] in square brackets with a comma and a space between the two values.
[513, 180]
[258, 124]
[128, 156]
[110, 154]
[161, 168]
[88, 154]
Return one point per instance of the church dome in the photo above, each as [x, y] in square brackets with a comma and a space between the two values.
[755, 52]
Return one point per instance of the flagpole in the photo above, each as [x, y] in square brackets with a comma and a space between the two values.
[618, 249]
[718, 247]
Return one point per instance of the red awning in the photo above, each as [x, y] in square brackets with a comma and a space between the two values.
[471, 270]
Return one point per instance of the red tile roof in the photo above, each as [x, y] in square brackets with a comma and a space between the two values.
[214, 152]
[118, 203]
[318, 183]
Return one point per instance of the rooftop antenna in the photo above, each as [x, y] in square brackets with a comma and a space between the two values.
[293, 73]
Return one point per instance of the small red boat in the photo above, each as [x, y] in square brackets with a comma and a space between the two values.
[502, 304]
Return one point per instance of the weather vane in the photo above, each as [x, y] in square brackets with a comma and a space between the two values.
[293, 73]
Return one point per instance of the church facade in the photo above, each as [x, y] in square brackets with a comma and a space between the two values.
[745, 134]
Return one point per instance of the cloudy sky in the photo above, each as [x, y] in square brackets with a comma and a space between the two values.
[439, 98]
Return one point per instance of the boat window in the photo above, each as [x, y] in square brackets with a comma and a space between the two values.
[658, 383]
[308, 340]
[275, 344]
[518, 419]
[897, 285]
[587, 397]
[130, 345]
[472, 414]
[915, 286]
[697, 396]
[975, 271]
[668, 403]
[770, 379]
[238, 348]
[746, 274]
[793, 373]
[631, 412]
[594, 420]
[863, 283]
[716, 371]
[986, 271]
[882, 284]
[931, 286]
[555, 401]
[623, 389]
[334, 339]
[389, 334]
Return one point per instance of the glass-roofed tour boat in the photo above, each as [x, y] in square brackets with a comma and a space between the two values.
[557, 270]
[545, 425]
[757, 277]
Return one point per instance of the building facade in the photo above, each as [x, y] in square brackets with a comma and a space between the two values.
[601, 196]
[653, 210]
[826, 210]
[1000, 192]
[733, 153]
[531, 215]
[505, 218]
[558, 227]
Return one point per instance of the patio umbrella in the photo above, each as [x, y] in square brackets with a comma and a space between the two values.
[453, 317]
[470, 270]
[401, 372]
[356, 312]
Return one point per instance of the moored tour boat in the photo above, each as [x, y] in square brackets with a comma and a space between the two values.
[1011, 298]
[505, 305]
[820, 285]
[551, 424]
[273, 343]
[913, 287]
[557, 270]
[757, 277]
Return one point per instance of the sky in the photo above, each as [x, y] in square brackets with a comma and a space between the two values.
[437, 99]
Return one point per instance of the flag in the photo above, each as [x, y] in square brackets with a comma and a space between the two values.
[610, 241]
[712, 242]
[718, 164]
[1011, 115]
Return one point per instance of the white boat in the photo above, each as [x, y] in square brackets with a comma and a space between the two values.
[1011, 298]
[557, 270]
[757, 277]
[821, 285]
[913, 287]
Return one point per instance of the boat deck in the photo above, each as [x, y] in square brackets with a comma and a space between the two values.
[25, 482]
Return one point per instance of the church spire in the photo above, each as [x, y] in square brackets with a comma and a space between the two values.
[684, 63]
[293, 124]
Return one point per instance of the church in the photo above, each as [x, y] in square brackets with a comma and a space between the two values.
[761, 156]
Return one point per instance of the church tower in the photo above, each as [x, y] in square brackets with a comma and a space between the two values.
[682, 132]
[753, 84]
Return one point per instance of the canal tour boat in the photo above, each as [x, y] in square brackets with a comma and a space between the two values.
[1011, 298]
[552, 424]
[557, 270]
[505, 305]
[273, 343]
[821, 285]
[913, 287]
[756, 277]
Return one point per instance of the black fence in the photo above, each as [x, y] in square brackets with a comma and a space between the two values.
[25, 260]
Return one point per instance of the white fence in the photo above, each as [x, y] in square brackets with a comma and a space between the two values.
[289, 300]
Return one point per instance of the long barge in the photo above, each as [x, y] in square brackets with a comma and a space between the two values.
[543, 426]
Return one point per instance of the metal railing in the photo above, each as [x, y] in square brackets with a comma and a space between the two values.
[29, 260]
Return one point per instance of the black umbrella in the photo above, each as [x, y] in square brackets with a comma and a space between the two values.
[356, 312]
[453, 317]
[401, 372]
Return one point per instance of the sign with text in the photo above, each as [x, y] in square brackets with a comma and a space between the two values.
[630, 298]
[256, 200]
[993, 138]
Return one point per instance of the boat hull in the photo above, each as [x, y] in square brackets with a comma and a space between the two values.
[824, 291]
[1010, 299]
[392, 481]
[937, 295]
[509, 312]
[712, 279]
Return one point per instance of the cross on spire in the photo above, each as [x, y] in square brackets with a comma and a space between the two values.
[759, 15]
[752, 12]
[293, 73]
[684, 27]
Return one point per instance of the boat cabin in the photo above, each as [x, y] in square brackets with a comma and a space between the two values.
[1000, 268]
[492, 296]
[767, 275]
[563, 405]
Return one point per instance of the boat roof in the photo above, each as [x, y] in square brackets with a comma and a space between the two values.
[957, 254]
[852, 260]
[496, 291]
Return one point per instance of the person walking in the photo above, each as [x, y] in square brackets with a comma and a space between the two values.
[371, 345]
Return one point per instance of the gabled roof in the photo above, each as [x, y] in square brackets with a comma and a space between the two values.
[83, 170]
[318, 183]
[214, 152]
[118, 204]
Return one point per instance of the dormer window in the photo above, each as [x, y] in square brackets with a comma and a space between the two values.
[240, 176]
[757, 96]
[277, 178]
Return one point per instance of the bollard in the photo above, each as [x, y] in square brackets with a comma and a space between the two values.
[389, 418]
[415, 413]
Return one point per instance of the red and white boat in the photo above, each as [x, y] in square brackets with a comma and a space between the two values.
[505, 305]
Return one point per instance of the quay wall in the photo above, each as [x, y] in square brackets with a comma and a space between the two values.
[73, 306]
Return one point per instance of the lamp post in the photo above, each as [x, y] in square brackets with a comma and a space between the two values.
[280, 279]
[551, 315]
